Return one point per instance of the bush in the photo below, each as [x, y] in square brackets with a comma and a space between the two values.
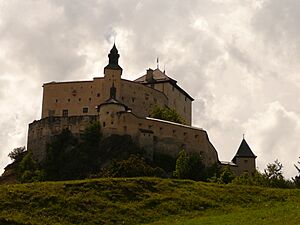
[134, 166]
[189, 166]
[28, 170]
[166, 114]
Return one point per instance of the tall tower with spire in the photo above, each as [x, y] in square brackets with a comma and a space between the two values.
[112, 73]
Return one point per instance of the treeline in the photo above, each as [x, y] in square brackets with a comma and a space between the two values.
[70, 157]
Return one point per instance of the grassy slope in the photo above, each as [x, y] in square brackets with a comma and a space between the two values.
[146, 200]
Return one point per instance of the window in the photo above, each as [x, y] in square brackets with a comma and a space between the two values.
[98, 94]
[103, 124]
[90, 99]
[79, 99]
[69, 100]
[65, 112]
[133, 99]
[85, 109]
[246, 161]
[56, 100]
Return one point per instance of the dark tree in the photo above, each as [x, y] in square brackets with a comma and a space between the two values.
[17, 153]
[189, 166]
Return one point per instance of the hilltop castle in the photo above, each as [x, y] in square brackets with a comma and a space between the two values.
[123, 107]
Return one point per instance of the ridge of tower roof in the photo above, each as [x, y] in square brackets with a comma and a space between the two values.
[244, 151]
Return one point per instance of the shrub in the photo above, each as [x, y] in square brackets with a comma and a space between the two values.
[189, 166]
[134, 166]
[168, 114]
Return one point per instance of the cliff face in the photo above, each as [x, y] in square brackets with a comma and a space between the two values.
[9, 174]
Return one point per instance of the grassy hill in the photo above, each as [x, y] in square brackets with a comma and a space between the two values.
[146, 201]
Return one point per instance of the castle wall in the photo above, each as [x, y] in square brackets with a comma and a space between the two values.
[176, 100]
[72, 96]
[41, 131]
[75, 96]
[141, 99]
[168, 137]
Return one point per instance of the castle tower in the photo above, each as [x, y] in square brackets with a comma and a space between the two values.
[108, 111]
[244, 159]
[112, 73]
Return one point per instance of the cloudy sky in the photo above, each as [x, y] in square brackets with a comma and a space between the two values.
[238, 59]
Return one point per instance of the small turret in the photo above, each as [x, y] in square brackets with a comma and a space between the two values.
[244, 159]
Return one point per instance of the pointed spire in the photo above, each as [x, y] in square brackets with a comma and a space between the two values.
[244, 151]
[113, 57]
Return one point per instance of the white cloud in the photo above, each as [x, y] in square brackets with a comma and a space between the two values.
[274, 134]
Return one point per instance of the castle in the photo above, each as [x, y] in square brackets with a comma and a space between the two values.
[123, 107]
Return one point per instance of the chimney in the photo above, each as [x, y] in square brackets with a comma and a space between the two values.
[149, 76]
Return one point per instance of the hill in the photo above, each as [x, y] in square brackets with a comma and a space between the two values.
[146, 200]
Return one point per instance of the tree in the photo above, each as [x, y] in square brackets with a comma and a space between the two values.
[189, 166]
[274, 175]
[168, 114]
[296, 179]
[226, 175]
[28, 170]
[182, 165]
[17, 153]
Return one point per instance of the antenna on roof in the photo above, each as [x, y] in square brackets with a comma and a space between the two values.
[157, 62]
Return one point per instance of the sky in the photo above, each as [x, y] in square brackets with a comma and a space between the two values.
[238, 59]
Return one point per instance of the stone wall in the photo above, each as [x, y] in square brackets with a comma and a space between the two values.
[41, 131]
[176, 100]
[149, 133]
[82, 97]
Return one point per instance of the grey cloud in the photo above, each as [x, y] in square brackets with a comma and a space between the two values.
[232, 81]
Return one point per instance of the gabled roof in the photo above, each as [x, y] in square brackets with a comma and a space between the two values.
[244, 151]
[160, 77]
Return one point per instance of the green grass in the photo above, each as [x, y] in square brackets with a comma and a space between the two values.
[146, 200]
